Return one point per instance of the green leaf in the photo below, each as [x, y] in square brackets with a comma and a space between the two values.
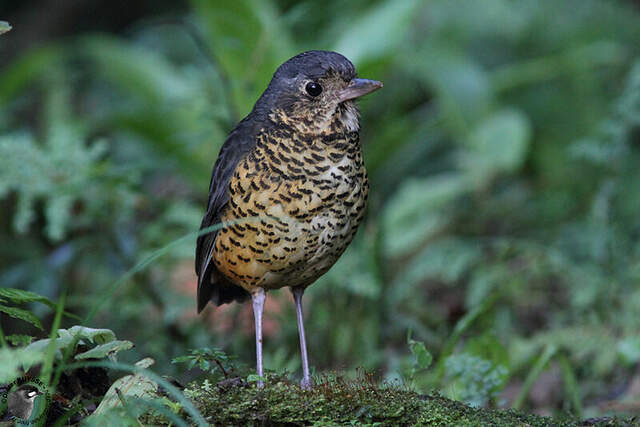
[175, 407]
[21, 73]
[378, 31]
[19, 340]
[41, 346]
[254, 378]
[473, 379]
[484, 280]
[4, 27]
[60, 171]
[417, 211]
[462, 86]
[98, 336]
[81, 334]
[19, 313]
[487, 346]
[142, 73]
[423, 357]
[629, 349]
[145, 363]
[498, 144]
[207, 359]
[250, 41]
[12, 359]
[105, 350]
[353, 274]
[20, 296]
[444, 259]
[137, 385]
[140, 370]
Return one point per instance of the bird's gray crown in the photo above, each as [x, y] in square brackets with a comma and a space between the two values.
[315, 64]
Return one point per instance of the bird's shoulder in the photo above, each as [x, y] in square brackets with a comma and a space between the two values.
[240, 141]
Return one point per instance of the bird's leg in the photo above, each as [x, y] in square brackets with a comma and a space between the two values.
[258, 298]
[297, 297]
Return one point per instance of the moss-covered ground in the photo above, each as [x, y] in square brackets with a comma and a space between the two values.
[337, 401]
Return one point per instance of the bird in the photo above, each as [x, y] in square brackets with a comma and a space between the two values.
[20, 402]
[289, 187]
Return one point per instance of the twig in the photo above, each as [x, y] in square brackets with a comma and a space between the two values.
[224, 371]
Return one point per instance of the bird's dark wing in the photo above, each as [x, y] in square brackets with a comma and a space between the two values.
[212, 285]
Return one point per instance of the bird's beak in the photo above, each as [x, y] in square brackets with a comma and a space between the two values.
[358, 88]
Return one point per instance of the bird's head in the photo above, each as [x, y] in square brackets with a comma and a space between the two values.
[316, 90]
[20, 401]
[28, 392]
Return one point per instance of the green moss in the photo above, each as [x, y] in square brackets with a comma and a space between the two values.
[337, 401]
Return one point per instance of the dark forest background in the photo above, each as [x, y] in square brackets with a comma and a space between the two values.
[504, 219]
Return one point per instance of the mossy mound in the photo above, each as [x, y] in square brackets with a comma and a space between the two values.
[337, 401]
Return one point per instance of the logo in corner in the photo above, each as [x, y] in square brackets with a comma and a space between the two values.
[23, 396]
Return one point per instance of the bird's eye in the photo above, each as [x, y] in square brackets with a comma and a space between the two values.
[313, 89]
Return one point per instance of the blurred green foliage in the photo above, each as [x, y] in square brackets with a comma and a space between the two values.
[502, 152]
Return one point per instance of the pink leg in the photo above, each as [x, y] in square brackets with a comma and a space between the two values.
[306, 378]
[258, 304]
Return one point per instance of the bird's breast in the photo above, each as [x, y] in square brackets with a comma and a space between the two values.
[297, 201]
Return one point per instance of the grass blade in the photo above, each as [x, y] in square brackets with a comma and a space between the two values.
[542, 361]
[570, 385]
[462, 325]
[47, 366]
